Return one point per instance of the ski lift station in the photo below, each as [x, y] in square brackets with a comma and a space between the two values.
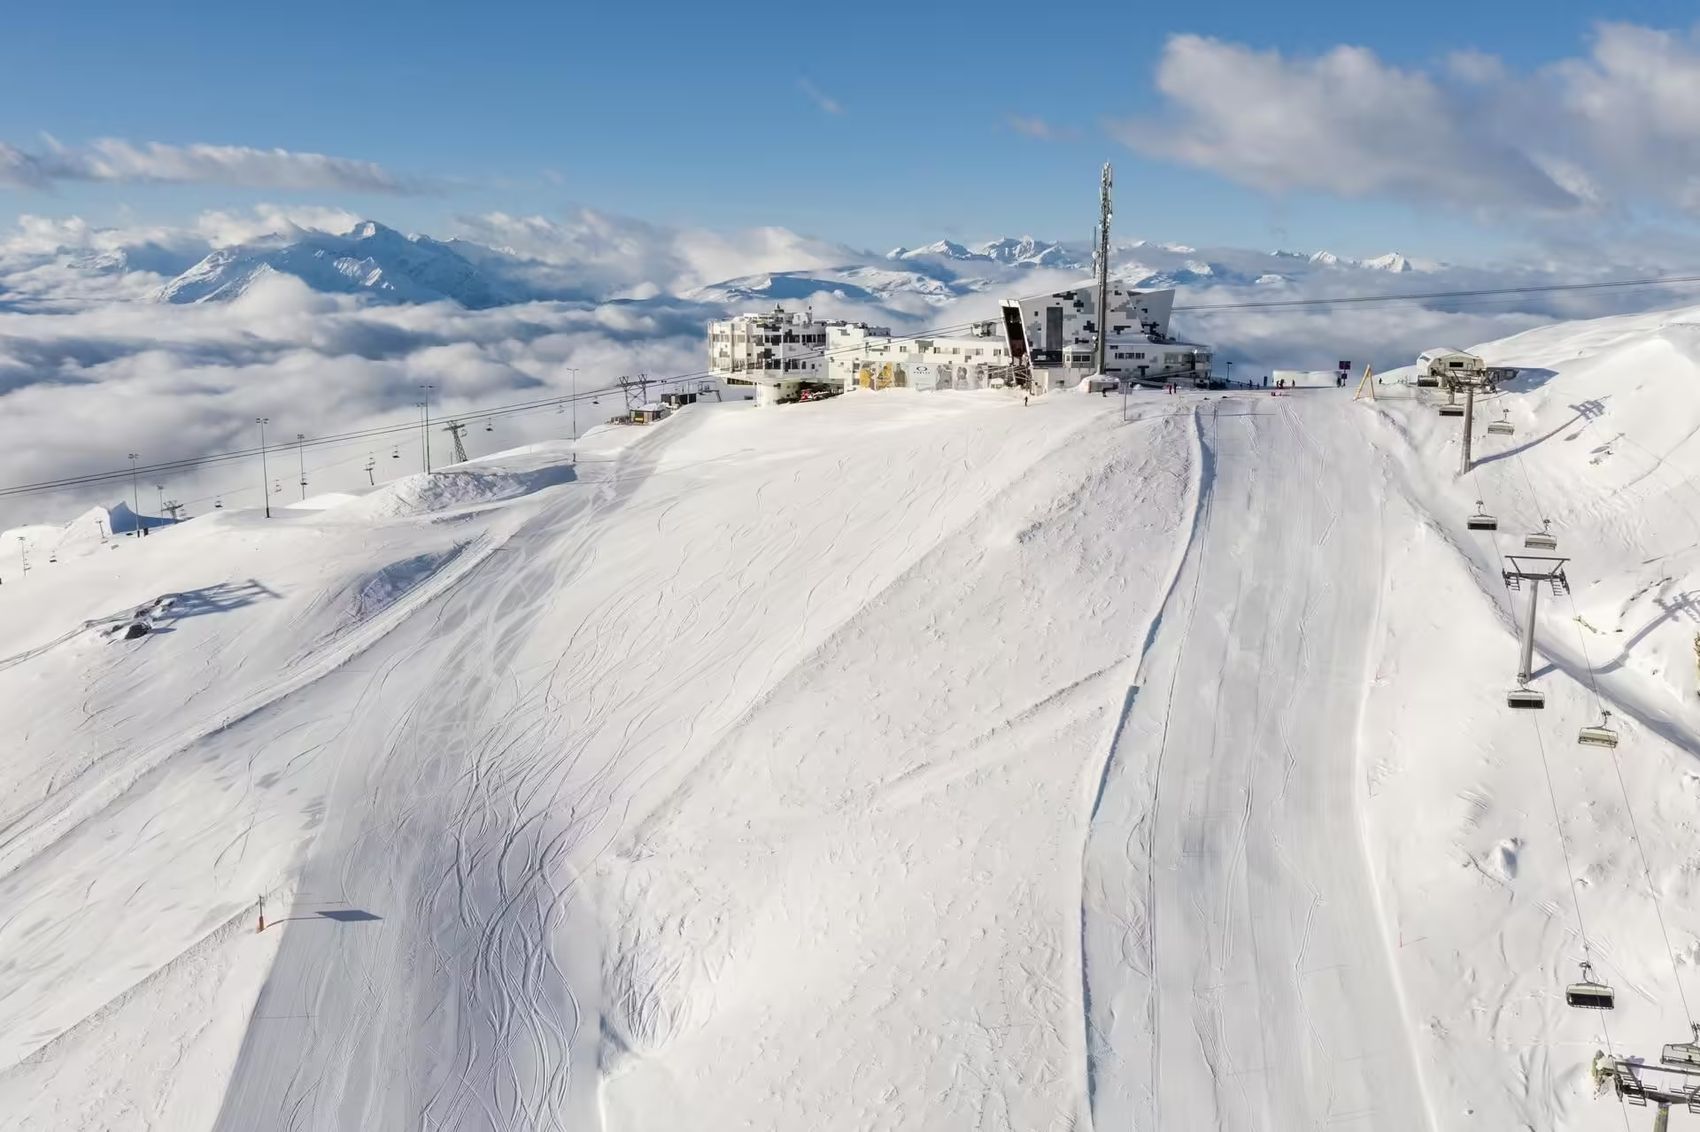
[1048, 342]
[1443, 364]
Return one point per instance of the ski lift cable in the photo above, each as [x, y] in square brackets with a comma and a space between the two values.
[1424, 296]
[1617, 768]
[1546, 768]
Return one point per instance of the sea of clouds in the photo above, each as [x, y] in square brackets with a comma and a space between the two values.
[93, 368]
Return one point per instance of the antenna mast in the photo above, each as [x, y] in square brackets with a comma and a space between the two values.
[1101, 254]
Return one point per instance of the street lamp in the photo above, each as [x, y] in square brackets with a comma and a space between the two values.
[301, 457]
[265, 477]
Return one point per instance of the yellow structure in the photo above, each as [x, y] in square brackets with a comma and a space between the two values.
[1366, 387]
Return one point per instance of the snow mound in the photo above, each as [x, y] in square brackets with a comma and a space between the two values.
[461, 487]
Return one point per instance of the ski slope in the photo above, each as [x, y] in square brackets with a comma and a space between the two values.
[898, 761]
[1233, 946]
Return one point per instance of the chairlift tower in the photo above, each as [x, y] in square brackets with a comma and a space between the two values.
[636, 390]
[454, 429]
[1534, 570]
[1469, 424]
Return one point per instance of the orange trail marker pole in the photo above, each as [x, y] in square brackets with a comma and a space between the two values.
[262, 926]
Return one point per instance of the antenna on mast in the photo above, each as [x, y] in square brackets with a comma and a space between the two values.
[1101, 258]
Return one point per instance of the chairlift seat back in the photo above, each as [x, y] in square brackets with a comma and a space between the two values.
[1482, 523]
[1589, 996]
[1540, 540]
[1451, 410]
[1598, 737]
[1525, 698]
[1681, 1053]
[1501, 428]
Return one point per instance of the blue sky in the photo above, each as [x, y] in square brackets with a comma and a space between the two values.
[715, 115]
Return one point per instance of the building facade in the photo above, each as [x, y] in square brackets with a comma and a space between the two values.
[779, 352]
[868, 357]
[1057, 335]
[1049, 341]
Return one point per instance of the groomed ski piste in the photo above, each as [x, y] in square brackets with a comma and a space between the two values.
[903, 761]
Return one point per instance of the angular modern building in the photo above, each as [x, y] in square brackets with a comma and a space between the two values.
[1057, 336]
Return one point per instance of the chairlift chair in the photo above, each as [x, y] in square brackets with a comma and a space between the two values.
[1683, 1053]
[218, 504]
[1451, 410]
[1481, 520]
[489, 426]
[1587, 994]
[1525, 697]
[1600, 735]
[395, 453]
[1502, 427]
[1542, 539]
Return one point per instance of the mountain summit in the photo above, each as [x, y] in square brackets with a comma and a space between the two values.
[369, 258]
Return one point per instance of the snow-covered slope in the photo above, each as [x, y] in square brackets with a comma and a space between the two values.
[905, 761]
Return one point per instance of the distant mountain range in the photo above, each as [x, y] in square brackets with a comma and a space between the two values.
[388, 266]
[369, 259]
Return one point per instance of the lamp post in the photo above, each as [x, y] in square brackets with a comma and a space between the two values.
[1230, 366]
[265, 476]
[574, 371]
[425, 425]
[301, 459]
[135, 493]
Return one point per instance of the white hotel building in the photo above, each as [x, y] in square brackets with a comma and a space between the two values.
[1048, 340]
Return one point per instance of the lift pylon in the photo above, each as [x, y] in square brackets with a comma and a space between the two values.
[1522, 568]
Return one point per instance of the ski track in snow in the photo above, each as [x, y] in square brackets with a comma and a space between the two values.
[1252, 944]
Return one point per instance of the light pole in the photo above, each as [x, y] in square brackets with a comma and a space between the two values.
[159, 487]
[23, 555]
[265, 476]
[301, 457]
[135, 494]
[574, 371]
[1230, 366]
[425, 425]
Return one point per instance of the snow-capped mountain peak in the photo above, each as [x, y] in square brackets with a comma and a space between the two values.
[1392, 261]
[369, 258]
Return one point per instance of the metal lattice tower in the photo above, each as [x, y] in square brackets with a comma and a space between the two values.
[454, 429]
[636, 390]
[1101, 256]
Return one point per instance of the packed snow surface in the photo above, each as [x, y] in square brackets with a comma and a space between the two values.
[901, 761]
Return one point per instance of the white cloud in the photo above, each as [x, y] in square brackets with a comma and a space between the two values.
[116, 161]
[1036, 127]
[1344, 122]
[825, 101]
[641, 259]
[1617, 127]
[221, 228]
